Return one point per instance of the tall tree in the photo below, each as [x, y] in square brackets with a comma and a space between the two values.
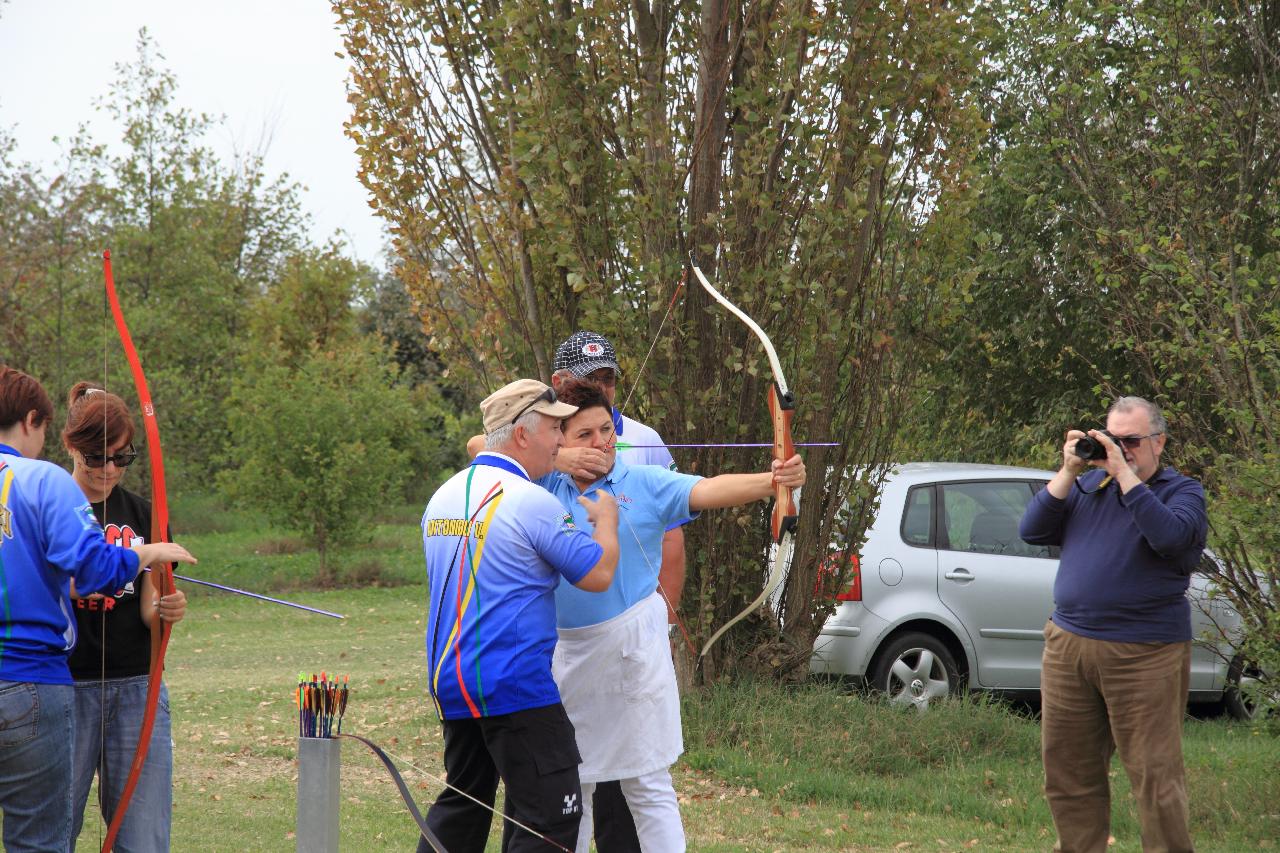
[320, 428]
[45, 225]
[193, 239]
[1130, 244]
[546, 167]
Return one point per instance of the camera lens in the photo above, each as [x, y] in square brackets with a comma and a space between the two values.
[1090, 448]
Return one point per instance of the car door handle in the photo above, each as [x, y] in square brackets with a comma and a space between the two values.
[959, 575]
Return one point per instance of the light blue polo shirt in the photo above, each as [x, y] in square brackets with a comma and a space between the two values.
[650, 499]
[496, 546]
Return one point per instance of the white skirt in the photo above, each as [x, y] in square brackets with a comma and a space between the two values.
[618, 684]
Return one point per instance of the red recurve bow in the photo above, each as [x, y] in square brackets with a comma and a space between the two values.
[159, 533]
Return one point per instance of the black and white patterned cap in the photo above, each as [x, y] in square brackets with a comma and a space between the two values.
[585, 352]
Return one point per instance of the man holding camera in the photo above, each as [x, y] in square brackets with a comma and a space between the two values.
[1117, 654]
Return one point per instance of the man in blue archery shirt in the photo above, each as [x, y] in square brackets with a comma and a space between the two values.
[496, 547]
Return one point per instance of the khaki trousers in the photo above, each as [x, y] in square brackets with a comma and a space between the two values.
[1098, 697]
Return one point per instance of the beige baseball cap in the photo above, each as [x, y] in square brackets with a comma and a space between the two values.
[509, 402]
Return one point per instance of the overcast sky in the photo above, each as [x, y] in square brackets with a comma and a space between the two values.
[267, 66]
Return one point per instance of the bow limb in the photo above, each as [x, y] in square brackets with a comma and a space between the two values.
[163, 578]
[430, 837]
[781, 410]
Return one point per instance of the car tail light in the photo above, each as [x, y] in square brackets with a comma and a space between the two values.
[854, 590]
[827, 571]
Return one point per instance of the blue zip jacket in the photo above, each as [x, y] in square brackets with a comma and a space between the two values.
[48, 536]
[1126, 559]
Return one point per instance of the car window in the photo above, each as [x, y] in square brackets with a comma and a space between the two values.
[1055, 551]
[983, 517]
[918, 517]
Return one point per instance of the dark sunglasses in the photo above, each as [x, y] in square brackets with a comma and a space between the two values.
[547, 396]
[1133, 442]
[121, 460]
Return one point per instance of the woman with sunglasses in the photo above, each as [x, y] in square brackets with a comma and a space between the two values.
[47, 540]
[112, 658]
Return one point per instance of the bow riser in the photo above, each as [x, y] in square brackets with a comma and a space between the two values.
[781, 411]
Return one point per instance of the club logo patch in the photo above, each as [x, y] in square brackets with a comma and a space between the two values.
[567, 522]
[592, 349]
[570, 804]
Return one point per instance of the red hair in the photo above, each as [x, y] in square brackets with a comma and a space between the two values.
[20, 395]
[96, 419]
[583, 393]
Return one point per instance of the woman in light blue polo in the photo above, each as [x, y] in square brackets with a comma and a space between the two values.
[48, 537]
[613, 659]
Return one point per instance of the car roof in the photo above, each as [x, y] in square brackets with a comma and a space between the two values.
[927, 472]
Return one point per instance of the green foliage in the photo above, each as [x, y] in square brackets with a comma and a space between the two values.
[1127, 240]
[316, 444]
[319, 424]
[389, 312]
[308, 307]
[193, 240]
[445, 414]
[546, 167]
[1246, 536]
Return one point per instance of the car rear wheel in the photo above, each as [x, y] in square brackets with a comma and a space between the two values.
[1238, 698]
[916, 669]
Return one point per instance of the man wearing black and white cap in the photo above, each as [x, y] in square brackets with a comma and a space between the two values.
[591, 356]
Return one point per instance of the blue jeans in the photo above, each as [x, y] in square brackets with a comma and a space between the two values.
[35, 766]
[105, 743]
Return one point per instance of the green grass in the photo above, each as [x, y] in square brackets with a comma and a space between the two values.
[766, 768]
[966, 775]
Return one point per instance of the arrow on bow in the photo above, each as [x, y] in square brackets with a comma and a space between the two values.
[160, 629]
[624, 445]
[782, 405]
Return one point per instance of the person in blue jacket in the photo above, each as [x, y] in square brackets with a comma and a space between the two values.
[48, 539]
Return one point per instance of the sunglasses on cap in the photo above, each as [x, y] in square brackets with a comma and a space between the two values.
[121, 460]
[547, 396]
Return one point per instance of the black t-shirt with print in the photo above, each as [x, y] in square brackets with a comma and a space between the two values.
[126, 521]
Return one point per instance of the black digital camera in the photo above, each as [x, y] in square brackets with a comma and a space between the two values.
[1090, 448]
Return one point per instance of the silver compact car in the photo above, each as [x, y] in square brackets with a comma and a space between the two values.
[945, 596]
